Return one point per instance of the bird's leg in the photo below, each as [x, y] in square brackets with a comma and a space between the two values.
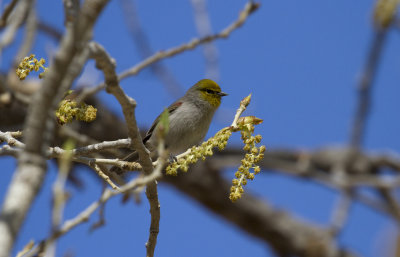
[172, 158]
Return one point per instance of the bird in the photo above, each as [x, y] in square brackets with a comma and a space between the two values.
[189, 120]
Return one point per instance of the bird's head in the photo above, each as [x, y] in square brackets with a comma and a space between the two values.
[208, 91]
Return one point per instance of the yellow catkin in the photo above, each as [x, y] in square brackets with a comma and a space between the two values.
[28, 64]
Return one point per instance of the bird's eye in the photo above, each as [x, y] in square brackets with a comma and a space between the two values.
[209, 91]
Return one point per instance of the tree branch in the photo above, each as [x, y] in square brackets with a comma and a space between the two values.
[286, 235]
[365, 86]
[144, 49]
[31, 167]
[249, 8]
[107, 65]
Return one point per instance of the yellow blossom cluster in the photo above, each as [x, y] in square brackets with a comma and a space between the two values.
[384, 12]
[254, 155]
[29, 64]
[69, 109]
[200, 152]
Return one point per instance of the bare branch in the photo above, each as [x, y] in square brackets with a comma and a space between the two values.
[341, 212]
[29, 38]
[87, 212]
[248, 9]
[152, 196]
[244, 14]
[101, 222]
[57, 152]
[107, 65]
[364, 170]
[31, 167]
[203, 25]
[71, 11]
[59, 199]
[102, 146]
[7, 150]
[286, 235]
[142, 43]
[17, 17]
[9, 138]
[345, 170]
[49, 30]
[104, 176]
[24, 50]
[364, 88]
[392, 203]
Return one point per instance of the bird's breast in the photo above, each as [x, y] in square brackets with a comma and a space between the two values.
[188, 127]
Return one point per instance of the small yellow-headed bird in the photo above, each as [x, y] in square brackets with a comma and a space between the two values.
[189, 119]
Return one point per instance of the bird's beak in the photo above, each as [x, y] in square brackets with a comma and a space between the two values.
[222, 94]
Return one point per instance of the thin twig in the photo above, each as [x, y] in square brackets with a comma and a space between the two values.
[26, 46]
[105, 145]
[391, 202]
[244, 14]
[84, 216]
[59, 199]
[57, 152]
[49, 30]
[9, 138]
[29, 38]
[203, 26]
[365, 86]
[142, 43]
[242, 107]
[8, 150]
[89, 142]
[128, 166]
[101, 222]
[341, 212]
[104, 176]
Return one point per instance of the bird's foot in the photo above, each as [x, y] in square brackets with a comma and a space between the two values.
[172, 158]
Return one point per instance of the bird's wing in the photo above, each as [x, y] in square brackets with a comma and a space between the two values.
[171, 109]
[134, 155]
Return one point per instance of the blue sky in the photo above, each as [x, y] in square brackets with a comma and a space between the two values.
[300, 59]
